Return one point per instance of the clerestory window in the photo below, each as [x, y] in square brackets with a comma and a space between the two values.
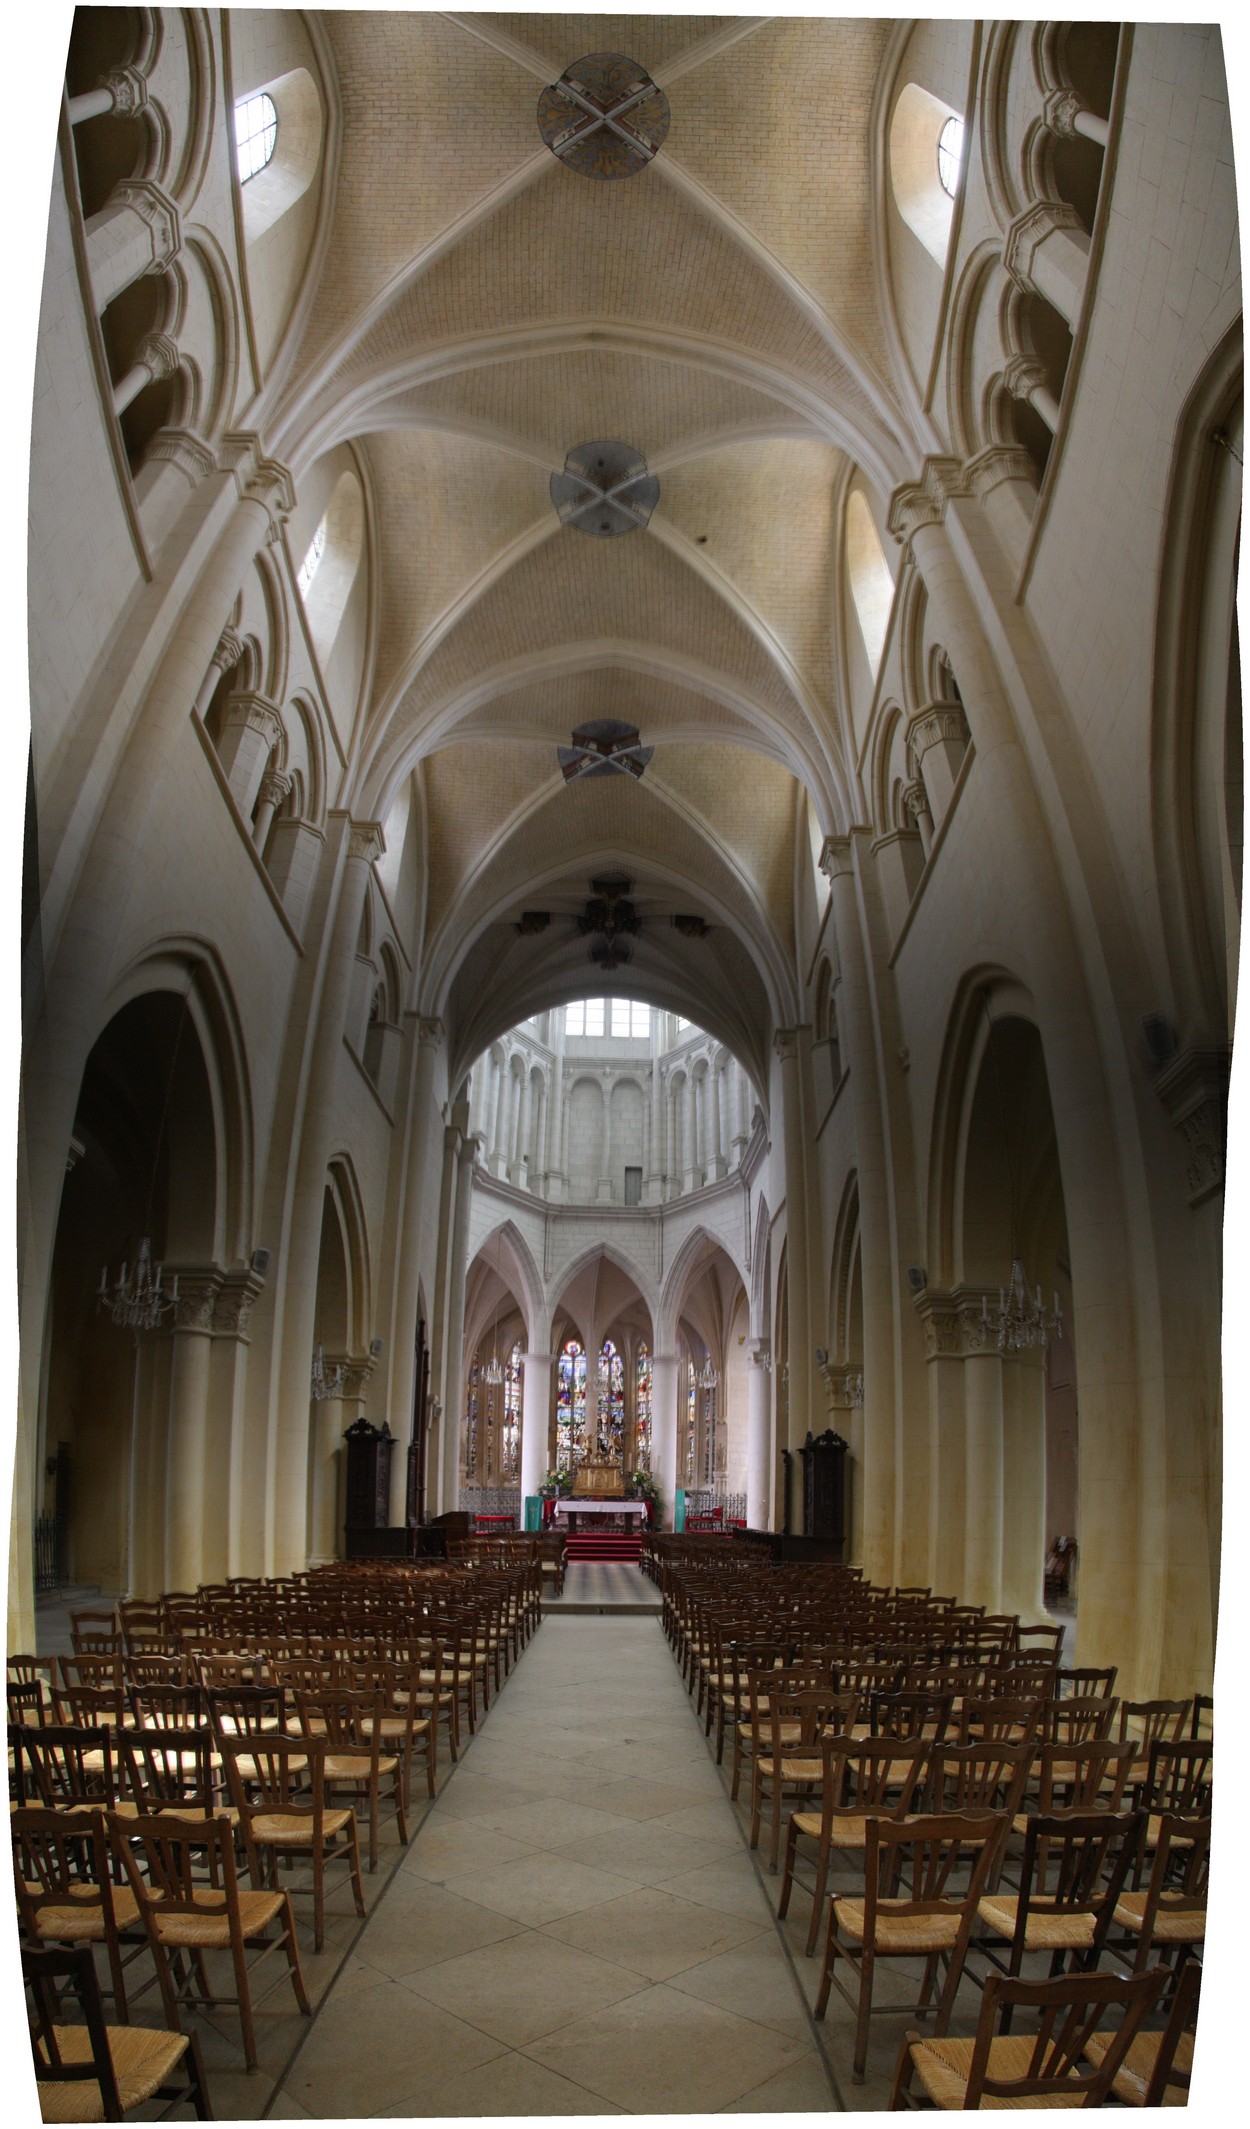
[255, 134]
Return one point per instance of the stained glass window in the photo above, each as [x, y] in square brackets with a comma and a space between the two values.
[611, 1401]
[510, 1457]
[692, 1424]
[471, 1424]
[571, 1406]
[642, 1449]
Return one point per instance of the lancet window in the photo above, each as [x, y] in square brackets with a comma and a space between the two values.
[611, 1401]
[642, 1420]
[472, 1442]
[571, 1406]
[510, 1446]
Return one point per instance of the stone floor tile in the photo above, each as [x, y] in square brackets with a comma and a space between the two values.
[538, 1888]
[656, 1935]
[755, 1980]
[509, 2084]
[452, 1846]
[646, 1852]
[705, 1821]
[556, 1824]
[723, 1884]
[525, 1986]
[663, 2052]
[801, 2088]
[368, 2053]
[426, 1927]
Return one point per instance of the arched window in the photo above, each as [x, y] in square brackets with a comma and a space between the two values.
[312, 560]
[872, 586]
[510, 1448]
[924, 131]
[689, 1460]
[642, 1409]
[471, 1424]
[611, 1401]
[255, 134]
[950, 155]
[571, 1406]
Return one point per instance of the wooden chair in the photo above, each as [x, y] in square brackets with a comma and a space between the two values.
[95, 1633]
[861, 1778]
[182, 1877]
[64, 1766]
[277, 1786]
[169, 1769]
[1036, 2069]
[1178, 1784]
[65, 1893]
[351, 1725]
[932, 1919]
[796, 1720]
[1085, 1684]
[1152, 1722]
[1075, 1865]
[401, 1722]
[89, 2071]
[1171, 1912]
[1156, 2069]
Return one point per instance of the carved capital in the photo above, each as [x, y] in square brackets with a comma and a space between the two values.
[159, 212]
[185, 450]
[430, 1032]
[935, 724]
[954, 1323]
[998, 463]
[229, 649]
[835, 857]
[786, 1044]
[1023, 376]
[916, 800]
[917, 504]
[255, 714]
[365, 840]
[198, 1287]
[128, 89]
[234, 1302]
[1061, 110]
[1194, 1090]
[158, 355]
[259, 479]
[356, 1375]
[1029, 232]
[274, 786]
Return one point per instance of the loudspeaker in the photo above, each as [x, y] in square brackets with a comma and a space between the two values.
[260, 1261]
[917, 1278]
[1160, 1039]
[821, 1356]
[378, 1347]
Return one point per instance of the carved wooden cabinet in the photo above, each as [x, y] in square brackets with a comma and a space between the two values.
[824, 1488]
[368, 1478]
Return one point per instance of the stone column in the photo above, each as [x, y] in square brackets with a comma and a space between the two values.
[361, 844]
[759, 1438]
[653, 1182]
[414, 1229]
[274, 786]
[496, 1160]
[604, 1191]
[535, 1421]
[983, 1480]
[557, 1179]
[1003, 479]
[136, 232]
[442, 1393]
[689, 1156]
[122, 91]
[188, 1423]
[454, 1405]
[250, 729]
[225, 1550]
[718, 1166]
[156, 358]
[952, 1325]
[1065, 114]
[664, 1387]
[798, 1217]
[1024, 1483]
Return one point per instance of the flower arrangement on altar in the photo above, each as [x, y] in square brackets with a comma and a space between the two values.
[556, 1485]
[640, 1486]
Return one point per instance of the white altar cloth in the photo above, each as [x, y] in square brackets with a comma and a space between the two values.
[567, 1506]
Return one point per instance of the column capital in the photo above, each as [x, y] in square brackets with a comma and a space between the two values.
[935, 724]
[1060, 111]
[988, 469]
[786, 1040]
[546, 1360]
[954, 1324]
[1029, 232]
[915, 798]
[258, 479]
[916, 504]
[835, 856]
[234, 1301]
[430, 1032]
[198, 1288]
[128, 89]
[1023, 375]
[274, 786]
[365, 840]
[1194, 1090]
[469, 1149]
[158, 354]
[229, 649]
[159, 212]
[761, 1355]
[250, 712]
[184, 449]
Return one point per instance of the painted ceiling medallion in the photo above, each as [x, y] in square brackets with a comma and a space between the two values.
[605, 489]
[604, 117]
[604, 748]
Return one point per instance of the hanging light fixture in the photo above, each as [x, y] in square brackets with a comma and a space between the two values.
[326, 1384]
[707, 1377]
[137, 1299]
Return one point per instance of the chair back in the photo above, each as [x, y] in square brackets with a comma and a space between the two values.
[1075, 1864]
[1179, 1779]
[169, 1769]
[1082, 1719]
[990, 1776]
[910, 1714]
[70, 1765]
[47, 1974]
[1085, 1684]
[60, 1862]
[872, 1775]
[1051, 2061]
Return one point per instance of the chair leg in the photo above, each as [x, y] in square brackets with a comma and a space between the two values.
[862, 2015]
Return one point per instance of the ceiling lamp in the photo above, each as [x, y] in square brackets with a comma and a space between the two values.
[137, 1300]
[707, 1377]
[610, 921]
[605, 748]
[605, 116]
[1021, 1320]
[605, 489]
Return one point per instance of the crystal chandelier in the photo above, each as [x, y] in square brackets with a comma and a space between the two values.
[1021, 1320]
[325, 1385]
[707, 1377]
[138, 1300]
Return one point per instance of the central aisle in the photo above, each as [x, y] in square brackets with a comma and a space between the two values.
[577, 1928]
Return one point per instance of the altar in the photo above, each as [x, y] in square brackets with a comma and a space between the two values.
[567, 1512]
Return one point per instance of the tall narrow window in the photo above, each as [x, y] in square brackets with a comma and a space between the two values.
[642, 1431]
[611, 1401]
[255, 134]
[950, 155]
[633, 1186]
[312, 560]
[571, 1406]
[471, 1424]
[510, 1451]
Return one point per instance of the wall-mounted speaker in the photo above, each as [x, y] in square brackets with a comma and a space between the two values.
[821, 1356]
[260, 1261]
[917, 1278]
[1160, 1037]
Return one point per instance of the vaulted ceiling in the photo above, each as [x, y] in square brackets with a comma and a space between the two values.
[481, 310]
